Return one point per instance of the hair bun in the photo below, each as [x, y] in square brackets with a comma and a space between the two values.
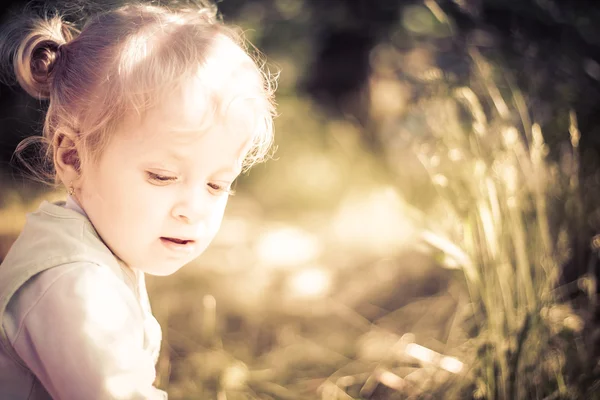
[38, 54]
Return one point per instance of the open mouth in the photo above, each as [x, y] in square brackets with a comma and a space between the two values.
[177, 241]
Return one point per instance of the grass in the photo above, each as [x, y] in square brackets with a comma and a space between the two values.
[517, 212]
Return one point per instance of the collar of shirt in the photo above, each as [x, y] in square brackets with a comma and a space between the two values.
[72, 204]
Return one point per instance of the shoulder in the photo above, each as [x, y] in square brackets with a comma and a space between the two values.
[79, 329]
[53, 236]
[77, 291]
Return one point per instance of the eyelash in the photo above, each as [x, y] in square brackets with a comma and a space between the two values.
[221, 189]
[164, 180]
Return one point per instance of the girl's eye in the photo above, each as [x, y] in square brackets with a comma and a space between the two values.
[221, 188]
[160, 179]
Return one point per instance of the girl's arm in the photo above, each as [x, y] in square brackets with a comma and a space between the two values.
[81, 333]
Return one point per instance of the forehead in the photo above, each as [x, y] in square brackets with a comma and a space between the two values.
[193, 108]
[224, 90]
[189, 126]
[224, 93]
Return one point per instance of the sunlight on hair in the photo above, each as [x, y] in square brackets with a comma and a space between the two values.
[311, 282]
[286, 247]
[146, 53]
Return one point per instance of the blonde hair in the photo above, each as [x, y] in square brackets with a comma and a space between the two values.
[122, 62]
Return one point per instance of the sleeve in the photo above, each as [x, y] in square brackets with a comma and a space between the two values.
[83, 338]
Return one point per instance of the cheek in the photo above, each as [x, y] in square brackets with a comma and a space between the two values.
[216, 216]
[123, 196]
[101, 182]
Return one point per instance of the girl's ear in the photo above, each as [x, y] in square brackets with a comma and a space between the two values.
[66, 158]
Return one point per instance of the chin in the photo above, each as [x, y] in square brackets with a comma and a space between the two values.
[164, 269]
[161, 270]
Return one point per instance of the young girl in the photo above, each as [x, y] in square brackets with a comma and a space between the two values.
[153, 113]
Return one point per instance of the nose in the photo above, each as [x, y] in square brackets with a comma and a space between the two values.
[192, 205]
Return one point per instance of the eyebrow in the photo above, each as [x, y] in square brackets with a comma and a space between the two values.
[167, 154]
[174, 155]
[234, 170]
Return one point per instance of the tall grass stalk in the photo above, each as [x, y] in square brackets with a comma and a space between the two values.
[497, 179]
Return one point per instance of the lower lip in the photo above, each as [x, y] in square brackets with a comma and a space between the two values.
[187, 248]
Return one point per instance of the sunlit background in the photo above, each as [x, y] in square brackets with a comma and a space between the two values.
[426, 228]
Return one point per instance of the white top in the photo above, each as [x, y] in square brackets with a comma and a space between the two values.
[78, 328]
